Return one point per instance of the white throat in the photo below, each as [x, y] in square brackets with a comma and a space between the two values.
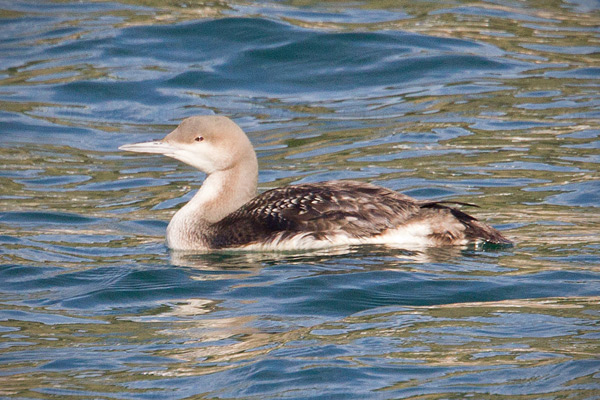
[221, 193]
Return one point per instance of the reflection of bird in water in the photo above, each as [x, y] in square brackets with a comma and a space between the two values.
[227, 213]
[377, 257]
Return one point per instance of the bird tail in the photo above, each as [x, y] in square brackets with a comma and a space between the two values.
[475, 229]
[479, 230]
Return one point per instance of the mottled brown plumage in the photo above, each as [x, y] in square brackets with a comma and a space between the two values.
[353, 209]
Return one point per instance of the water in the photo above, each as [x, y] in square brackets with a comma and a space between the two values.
[491, 102]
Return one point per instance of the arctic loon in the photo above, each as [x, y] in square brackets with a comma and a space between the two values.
[227, 213]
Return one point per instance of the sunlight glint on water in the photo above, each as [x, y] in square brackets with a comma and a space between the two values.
[489, 103]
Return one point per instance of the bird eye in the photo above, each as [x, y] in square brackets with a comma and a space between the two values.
[199, 138]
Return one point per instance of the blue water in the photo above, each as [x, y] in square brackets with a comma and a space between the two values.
[495, 103]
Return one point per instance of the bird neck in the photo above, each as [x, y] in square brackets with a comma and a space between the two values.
[222, 193]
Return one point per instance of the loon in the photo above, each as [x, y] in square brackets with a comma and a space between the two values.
[226, 212]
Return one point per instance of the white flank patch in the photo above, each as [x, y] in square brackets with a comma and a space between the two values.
[416, 234]
[413, 235]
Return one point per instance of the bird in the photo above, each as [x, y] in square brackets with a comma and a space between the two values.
[226, 213]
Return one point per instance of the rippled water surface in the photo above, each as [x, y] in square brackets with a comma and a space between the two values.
[491, 102]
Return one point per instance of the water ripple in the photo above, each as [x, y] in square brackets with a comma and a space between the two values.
[493, 103]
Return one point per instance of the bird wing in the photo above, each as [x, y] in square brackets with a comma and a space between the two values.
[337, 207]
